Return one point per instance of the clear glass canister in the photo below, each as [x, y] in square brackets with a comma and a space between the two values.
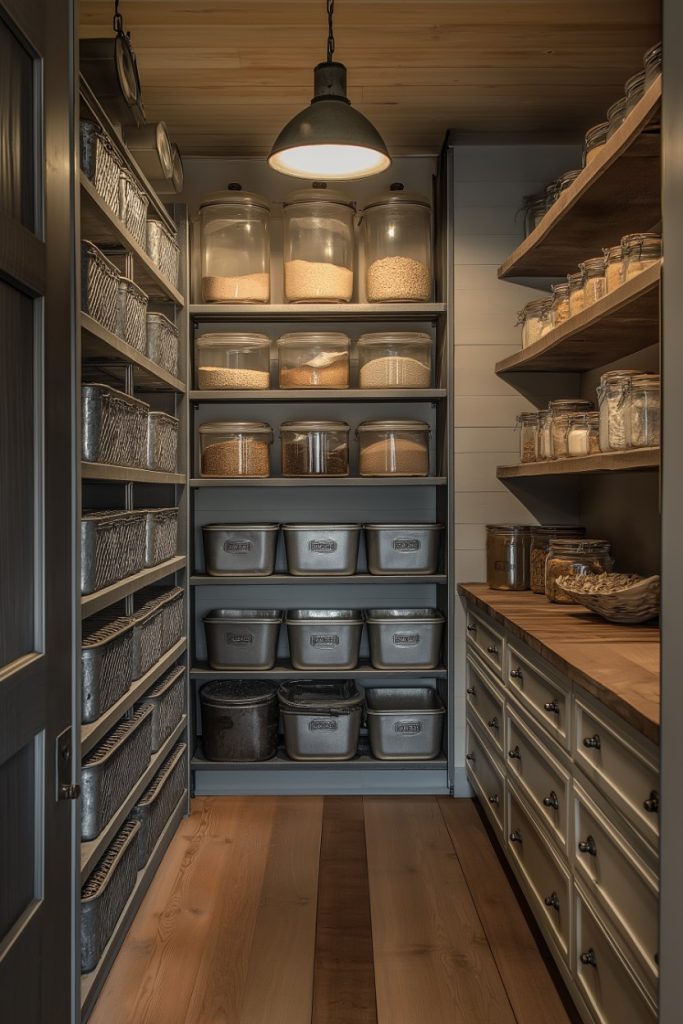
[395, 359]
[541, 537]
[641, 250]
[315, 448]
[318, 246]
[652, 62]
[567, 557]
[527, 422]
[544, 449]
[507, 556]
[577, 299]
[235, 449]
[594, 283]
[596, 137]
[583, 434]
[614, 267]
[394, 448]
[535, 320]
[233, 361]
[612, 398]
[397, 235]
[644, 411]
[534, 208]
[560, 413]
[634, 89]
[235, 244]
[552, 192]
[567, 179]
[313, 359]
[560, 307]
[615, 116]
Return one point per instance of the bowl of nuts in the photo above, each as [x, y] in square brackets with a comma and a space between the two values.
[616, 596]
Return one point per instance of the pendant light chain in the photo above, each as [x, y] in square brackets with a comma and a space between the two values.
[330, 31]
[118, 19]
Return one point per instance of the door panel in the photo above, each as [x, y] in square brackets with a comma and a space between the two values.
[17, 99]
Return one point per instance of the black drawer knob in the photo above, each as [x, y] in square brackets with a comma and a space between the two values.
[516, 836]
[516, 673]
[551, 800]
[492, 723]
[469, 757]
[492, 649]
[588, 846]
[471, 627]
[592, 742]
[495, 799]
[552, 901]
[515, 754]
[552, 707]
[651, 805]
[589, 958]
[471, 690]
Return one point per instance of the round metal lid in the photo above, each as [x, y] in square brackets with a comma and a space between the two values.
[303, 425]
[314, 338]
[238, 692]
[233, 195]
[397, 194]
[236, 427]
[395, 338]
[232, 338]
[373, 425]
[509, 527]
[318, 195]
[251, 527]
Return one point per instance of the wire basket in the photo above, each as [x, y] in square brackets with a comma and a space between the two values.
[114, 427]
[131, 316]
[168, 701]
[163, 250]
[100, 163]
[162, 442]
[99, 286]
[106, 893]
[106, 664]
[112, 547]
[162, 342]
[159, 801]
[161, 539]
[133, 206]
[147, 634]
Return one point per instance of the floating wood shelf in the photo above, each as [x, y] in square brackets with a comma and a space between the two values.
[617, 194]
[414, 312]
[91, 604]
[281, 579]
[128, 474]
[324, 395]
[202, 672]
[607, 462]
[623, 322]
[99, 345]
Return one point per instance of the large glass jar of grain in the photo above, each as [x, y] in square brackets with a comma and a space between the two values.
[561, 411]
[397, 235]
[395, 359]
[318, 245]
[527, 423]
[235, 246]
[233, 361]
[313, 359]
[507, 556]
[614, 267]
[612, 400]
[644, 411]
[596, 137]
[567, 557]
[315, 448]
[594, 284]
[541, 536]
[641, 251]
[394, 448]
[535, 320]
[235, 449]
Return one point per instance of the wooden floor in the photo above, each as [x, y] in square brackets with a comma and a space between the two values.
[337, 910]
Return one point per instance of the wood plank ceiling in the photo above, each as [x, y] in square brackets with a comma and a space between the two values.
[226, 75]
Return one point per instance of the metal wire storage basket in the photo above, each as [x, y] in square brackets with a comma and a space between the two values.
[161, 539]
[99, 286]
[159, 801]
[162, 442]
[113, 427]
[112, 547]
[100, 163]
[106, 664]
[131, 319]
[163, 250]
[133, 206]
[147, 635]
[106, 893]
[162, 342]
[168, 701]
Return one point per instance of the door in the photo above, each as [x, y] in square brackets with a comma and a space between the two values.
[36, 588]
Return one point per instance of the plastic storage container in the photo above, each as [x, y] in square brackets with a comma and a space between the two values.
[233, 361]
[394, 448]
[404, 724]
[541, 537]
[395, 359]
[321, 550]
[527, 424]
[403, 550]
[242, 639]
[507, 556]
[235, 244]
[321, 719]
[568, 557]
[239, 720]
[405, 637]
[313, 359]
[397, 233]
[240, 549]
[324, 637]
[318, 246]
[240, 449]
[315, 448]
[644, 411]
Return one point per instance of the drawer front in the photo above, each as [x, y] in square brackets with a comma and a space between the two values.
[542, 778]
[486, 778]
[546, 878]
[487, 641]
[603, 975]
[619, 767]
[485, 703]
[547, 701]
[625, 884]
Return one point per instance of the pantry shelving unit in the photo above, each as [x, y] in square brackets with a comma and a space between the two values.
[108, 359]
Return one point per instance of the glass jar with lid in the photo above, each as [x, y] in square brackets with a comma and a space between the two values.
[394, 448]
[641, 250]
[534, 208]
[615, 116]
[594, 284]
[652, 62]
[507, 556]
[596, 137]
[313, 359]
[560, 306]
[577, 301]
[318, 245]
[527, 424]
[635, 90]
[552, 191]
[612, 399]
[583, 434]
[235, 246]
[544, 447]
[397, 236]
[565, 180]
[644, 411]
[235, 449]
[535, 320]
[314, 448]
[567, 557]
[614, 267]
[395, 359]
[541, 537]
[560, 413]
[233, 361]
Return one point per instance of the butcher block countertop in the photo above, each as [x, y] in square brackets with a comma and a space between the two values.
[619, 665]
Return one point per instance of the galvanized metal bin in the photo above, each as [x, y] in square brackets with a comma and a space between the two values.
[395, 550]
[163, 250]
[168, 703]
[162, 442]
[239, 720]
[131, 314]
[106, 664]
[322, 550]
[159, 800]
[405, 637]
[112, 768]
[161, 534]
[242, 639]
[321, 719]
[324, 637]
[113, 427]
[99, 286]
[133, 203]
[162, 342]
[100, 163]
[112, 547]
[240, 550]
[106, 893]
[404, 723]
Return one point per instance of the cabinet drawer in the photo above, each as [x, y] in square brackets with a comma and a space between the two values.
[546, 700]
[486, 778]
[487, 641]
[542, 778]
[618, 765]
[603, 975]
[485, 703]
[627, 887]
[546, 878]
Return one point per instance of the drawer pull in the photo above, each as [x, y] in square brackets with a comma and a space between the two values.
[492, 723]
[495, 799]
[553, 901]
[516, 673]
[551, 800]
[651, 805]
[552, 706]
[470, 757]
[471, 690]
[516, 836]
[471, 627]
[588, 846]
[592, 742]
[515, 753]
[589, 958]
[492, 649]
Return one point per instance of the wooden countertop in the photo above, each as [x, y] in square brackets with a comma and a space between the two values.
[619, 665]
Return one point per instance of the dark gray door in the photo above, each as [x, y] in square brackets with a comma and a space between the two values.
[36, 287]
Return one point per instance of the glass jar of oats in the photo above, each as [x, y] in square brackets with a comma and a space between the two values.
[541, 536]
[574, 557]
[594, 284]
[577, 299]
[527, 423]
[560, 307]
[641, 250]
[560, 418]
[596, 137]
[614, 267]
[535, 320]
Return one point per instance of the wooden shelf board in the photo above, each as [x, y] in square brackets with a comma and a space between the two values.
[341, 481]
[201, 671]
[617, 194]
[93, 732]
[623, 322]
[101, 599]
[281, 762]
[128, 474]
[329, 311]
[99, 344]
[100, 226]
[606, 462]
[280, 579]
[323, 395]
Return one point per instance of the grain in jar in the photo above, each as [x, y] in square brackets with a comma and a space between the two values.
[235, 449]
[641, 250]
[534, 319]
[577, 299]
[560, 306]
[395, 359]
[612, 400]
[541, 537]
[544, 437]
[596, 137]
[615, 116]
[560, 412]
[634, 90]
[394, 448]
[527, 424]
[568, 557]
[318, 245]
[644, 411]
[507, 556]
[313, 359]
[227, 361]
[397, 234]
[583, 434]
[534, 208]
[235, 246]
[315, 448]
[614, 267]
[594, 283]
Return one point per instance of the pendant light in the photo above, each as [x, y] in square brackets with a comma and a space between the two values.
[329, 139]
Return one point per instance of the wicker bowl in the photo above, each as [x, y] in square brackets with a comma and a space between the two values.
[635, 600]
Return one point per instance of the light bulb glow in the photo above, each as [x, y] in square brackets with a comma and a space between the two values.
[329, 162]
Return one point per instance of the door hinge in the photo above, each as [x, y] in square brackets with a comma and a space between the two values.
[66, 789]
